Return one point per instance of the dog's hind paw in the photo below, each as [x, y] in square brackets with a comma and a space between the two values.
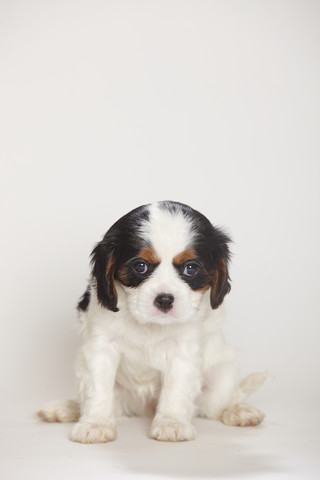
[57, 411]
[242, 415]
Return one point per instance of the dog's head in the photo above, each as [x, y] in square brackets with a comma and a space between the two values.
[165, 256]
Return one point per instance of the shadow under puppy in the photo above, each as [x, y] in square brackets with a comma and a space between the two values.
[151, 322]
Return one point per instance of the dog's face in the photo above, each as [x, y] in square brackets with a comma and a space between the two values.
[165, 256]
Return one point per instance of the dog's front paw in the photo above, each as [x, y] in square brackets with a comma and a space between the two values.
[242, 415]
[168, 429]
[93, 433]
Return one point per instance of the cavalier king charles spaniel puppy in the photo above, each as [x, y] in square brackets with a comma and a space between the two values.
[151, 322]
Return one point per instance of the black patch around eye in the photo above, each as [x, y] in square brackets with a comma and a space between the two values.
[199, 280]
[130, 276]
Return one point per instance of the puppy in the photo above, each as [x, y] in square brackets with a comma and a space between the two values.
[151, 319]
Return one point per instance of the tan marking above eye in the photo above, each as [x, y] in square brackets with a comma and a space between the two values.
[149, 254]
[188, 254]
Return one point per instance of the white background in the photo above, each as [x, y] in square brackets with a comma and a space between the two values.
[107, 105]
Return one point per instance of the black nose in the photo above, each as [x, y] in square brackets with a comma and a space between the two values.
[164, 301]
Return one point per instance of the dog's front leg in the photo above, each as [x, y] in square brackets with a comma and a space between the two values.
[96, 371]
[180, 386]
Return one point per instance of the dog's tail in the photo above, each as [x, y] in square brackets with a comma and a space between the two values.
[60, 411]
[249, 385]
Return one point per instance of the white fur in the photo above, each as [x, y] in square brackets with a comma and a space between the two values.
[141, 361]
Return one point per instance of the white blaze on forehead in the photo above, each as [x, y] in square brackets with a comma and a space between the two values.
[168, 232]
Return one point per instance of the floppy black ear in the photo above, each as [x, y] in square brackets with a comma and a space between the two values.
[220, 256]
[220, 283]
[103, 268]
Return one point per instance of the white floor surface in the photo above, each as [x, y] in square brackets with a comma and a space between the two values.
[286, 445]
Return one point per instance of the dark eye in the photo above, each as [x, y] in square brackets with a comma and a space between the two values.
[190, 269]
[141, 268]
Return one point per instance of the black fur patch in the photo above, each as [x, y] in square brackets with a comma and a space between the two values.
[84, 301]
